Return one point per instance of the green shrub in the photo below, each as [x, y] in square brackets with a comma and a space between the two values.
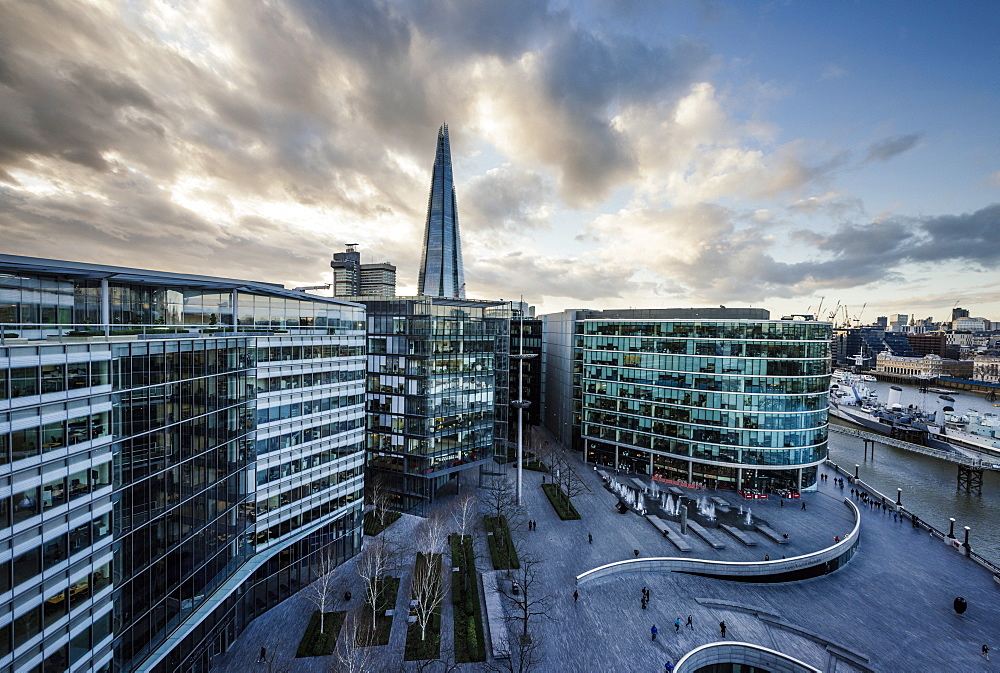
[372, 526]
[502, 552]
[560, 502]
[316, 644]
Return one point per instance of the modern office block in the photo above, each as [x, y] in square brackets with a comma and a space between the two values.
[437, 392]
[347, 272]
[176, 452]
[378, 280]
[724, 397]
[351, 278]
[441, 270]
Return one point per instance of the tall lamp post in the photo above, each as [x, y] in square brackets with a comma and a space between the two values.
[520, 404]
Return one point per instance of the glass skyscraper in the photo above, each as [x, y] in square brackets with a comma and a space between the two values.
[723, 397]
[441, 272]
[176, 452]
[437, 392]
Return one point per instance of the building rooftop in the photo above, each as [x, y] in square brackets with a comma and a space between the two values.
[14, 264]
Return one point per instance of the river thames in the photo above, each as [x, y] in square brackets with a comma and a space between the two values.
[930, 486]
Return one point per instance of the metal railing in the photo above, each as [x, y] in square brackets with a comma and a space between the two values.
[958, 458]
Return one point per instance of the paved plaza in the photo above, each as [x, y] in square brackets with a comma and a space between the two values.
[890, 609]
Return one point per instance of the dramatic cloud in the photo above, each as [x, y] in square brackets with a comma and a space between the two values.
[603, 157]
[887, 148]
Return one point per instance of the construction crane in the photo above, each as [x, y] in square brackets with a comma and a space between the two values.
[833, 313]
[857, 318]
[819, 309]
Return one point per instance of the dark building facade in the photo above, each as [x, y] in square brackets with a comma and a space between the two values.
[531, 375]
[935, 343]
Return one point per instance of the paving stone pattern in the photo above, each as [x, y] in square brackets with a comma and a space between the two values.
[891, 606]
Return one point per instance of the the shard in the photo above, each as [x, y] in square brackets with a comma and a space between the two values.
[441, 271]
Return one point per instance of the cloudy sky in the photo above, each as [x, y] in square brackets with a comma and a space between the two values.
[609, 153]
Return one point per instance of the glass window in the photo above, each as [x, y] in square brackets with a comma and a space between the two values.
[27, 626]
[79, 484]
[26, 504]
[53, 435]
[55, 607]
[53, 378]
[57, 662]
[27, 565]
[79, 646]
[79, 430]
[76, 375]
[79, 538]
[100, 476]
[53, 494]
[54, 552]
[24, 443]
[102, 526]
[23, 381]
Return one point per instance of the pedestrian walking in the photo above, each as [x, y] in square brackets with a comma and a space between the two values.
[668, 667]
[644, 590]
[590, 538]
[654, 631]
[986, 651]
[722, 628]
[803, 504]
[781, 502]
[677, 625]
[576, 596]
[690, 622]
[263, 655]
[643, 601]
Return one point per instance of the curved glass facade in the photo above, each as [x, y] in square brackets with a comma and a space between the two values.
[735, 404]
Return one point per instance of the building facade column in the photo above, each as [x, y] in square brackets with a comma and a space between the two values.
[105, 306]
[739, 478]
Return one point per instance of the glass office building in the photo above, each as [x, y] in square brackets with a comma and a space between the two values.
[441, 270]
[437, 392]
[722, 397]
[175, 453]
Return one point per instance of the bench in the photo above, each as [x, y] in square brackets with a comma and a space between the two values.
[771, 533]
[738, 534]
[496, 626]
[674, 536]
[700, 531]
[604, 475]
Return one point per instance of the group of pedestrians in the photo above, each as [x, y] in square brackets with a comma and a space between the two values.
[646, 595]
[532, 524]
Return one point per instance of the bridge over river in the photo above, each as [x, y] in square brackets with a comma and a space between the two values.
[970, 464]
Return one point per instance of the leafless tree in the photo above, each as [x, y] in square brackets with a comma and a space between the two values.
[432, 533]
[320, 592]
[376, 561]
[531, 601]
[427, 589]
[379, 498]
[464, 512]
[500, 497]
[446, 664]
[525, 656]
[349, 656]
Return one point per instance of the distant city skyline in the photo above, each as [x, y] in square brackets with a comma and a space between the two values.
[608, 153]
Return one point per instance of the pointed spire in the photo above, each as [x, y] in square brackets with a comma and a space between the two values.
[441, 270]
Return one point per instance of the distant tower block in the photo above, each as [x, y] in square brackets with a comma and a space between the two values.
[351, 278]
[441, 270]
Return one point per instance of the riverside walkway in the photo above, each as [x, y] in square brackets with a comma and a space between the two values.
[888, 610]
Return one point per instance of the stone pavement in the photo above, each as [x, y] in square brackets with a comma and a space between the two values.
[889, 609]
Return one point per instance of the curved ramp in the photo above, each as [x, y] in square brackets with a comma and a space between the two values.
[795, 568]
[741, 653]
